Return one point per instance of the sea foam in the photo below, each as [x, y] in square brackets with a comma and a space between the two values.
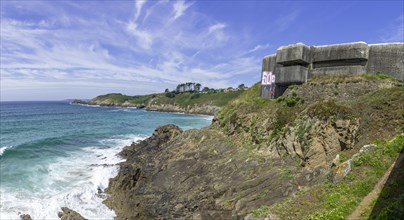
[3, 149]
[76, 181]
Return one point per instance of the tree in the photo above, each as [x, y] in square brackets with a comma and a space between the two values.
[188, 86]
[241, 86]
[167, 90]
[198, 87]
[205, 89]
[178, 89]
[170, 94]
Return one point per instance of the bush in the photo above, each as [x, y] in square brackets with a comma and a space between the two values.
[170, 94]
[289, 101]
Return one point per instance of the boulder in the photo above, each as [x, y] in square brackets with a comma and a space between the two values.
[25, 217]
[68, 214]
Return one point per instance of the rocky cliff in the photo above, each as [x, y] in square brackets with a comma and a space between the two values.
[266, 158]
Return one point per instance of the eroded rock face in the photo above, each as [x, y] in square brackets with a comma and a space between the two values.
[196, 175]
[69, 214]
[192, 109]
[317, 142]
[204, 109]
[134, 172]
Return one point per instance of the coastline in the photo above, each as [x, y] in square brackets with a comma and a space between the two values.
[204, 110]
[235, 168]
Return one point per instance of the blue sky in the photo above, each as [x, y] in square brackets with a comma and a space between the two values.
[53, 50]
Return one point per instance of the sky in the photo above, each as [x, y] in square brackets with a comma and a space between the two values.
[55, 50]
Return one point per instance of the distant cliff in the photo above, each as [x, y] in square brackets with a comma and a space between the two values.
[193, 103]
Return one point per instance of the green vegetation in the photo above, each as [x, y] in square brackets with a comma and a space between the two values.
[328, 108]
[261, 211]
[350, 78]
[256, 123]
[272, 116]
[341, 199]
[118, 98]
[182, 99]
[250, 107]
[337, 200]
[289, 100]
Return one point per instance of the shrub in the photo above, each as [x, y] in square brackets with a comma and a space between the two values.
[170, 94]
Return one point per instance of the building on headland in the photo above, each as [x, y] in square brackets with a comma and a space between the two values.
[296, 63]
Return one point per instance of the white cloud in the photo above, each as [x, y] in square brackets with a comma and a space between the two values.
[144, 39]
[259, 47]
[109, 51]
[139, 5]
[395, 31]
[179, 8]
[216, 27]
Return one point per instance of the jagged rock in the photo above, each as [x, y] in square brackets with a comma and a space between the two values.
[193, 175]
[69, 214]
[320, 143]
[25, 217]
[193, 109]
[79, 101]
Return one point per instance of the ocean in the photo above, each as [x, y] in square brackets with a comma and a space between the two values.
[54, 154]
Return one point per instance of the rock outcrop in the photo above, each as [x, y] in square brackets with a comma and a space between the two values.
[202, 109]
[199, 174]
[317, 142]
[69, 214]
[25, 217]
[191, 109]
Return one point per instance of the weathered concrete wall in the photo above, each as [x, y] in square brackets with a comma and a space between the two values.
[269, 63]
[296, 54]
[285, 75]
[268, 71]
[351, 51]
[386, 59]
[296, 63]
[338, 70]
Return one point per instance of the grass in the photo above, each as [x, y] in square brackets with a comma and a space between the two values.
[249, 111]
[118, 98]
[369, 167]
[337, 200]
[261, 211]
[217, 99]
[349, 78]
[329, 108]
[184, 99]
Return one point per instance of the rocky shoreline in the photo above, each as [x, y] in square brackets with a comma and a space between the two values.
[189, 109]
[255, 155]
[65, 214]
[196, 175]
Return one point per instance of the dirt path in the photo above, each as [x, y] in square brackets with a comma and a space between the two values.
[366, 202]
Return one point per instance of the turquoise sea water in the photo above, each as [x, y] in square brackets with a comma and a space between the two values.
[54, 154]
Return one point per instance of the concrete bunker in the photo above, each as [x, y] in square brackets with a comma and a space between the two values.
[296, 63]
